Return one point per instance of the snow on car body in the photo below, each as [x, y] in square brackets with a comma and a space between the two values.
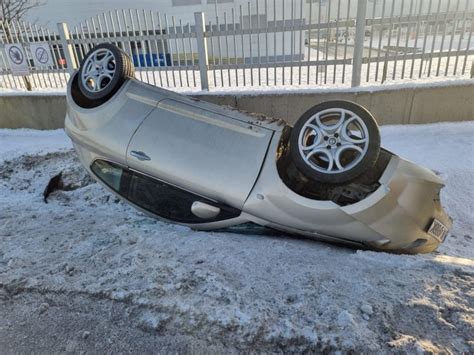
[208, 167]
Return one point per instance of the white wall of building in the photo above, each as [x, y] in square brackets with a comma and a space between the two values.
[75, 12]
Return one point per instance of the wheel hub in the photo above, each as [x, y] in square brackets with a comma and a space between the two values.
[98, 70]
[333, 141]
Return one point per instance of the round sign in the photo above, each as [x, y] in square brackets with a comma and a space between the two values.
[41, 55]
[16, 55]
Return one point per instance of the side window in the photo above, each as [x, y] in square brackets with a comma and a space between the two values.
[170, 202]
[113, 175]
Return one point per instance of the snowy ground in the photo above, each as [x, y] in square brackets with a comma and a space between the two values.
[88, 273]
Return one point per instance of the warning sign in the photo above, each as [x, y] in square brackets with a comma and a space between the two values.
[17, 59]
[41, 54]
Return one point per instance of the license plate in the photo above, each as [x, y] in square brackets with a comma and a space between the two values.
[438, 230]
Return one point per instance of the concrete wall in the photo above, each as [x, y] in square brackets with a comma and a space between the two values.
[392, 106]
[419, 104]
[39, 112]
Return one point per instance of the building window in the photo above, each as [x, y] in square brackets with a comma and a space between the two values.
[185, 2]
[257, 21]
[218, 1]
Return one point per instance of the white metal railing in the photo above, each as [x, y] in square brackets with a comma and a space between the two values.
[263, 43]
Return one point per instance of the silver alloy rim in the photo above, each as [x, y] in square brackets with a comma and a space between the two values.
[333, 141]
[99, 69]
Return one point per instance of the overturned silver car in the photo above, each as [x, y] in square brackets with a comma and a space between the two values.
[209, 167]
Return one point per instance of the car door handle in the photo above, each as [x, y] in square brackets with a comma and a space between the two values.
[139, 155]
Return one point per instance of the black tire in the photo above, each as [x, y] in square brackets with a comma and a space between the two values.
[123, 70]
[77, 96]
[366, 162]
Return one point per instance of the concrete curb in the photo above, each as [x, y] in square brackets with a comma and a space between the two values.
[409, 105]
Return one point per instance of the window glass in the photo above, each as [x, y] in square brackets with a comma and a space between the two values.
[185, 2]
[257, 20]
[162, 199]
[170, 202]
[113, 175]
[218, 1]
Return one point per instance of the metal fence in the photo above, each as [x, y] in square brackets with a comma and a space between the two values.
[262, 43]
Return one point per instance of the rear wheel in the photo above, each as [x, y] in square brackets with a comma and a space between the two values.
[335, 142]
[103, 71]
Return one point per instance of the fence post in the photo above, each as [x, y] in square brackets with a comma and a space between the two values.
[200, 23]
[67, 47]
[359, 42]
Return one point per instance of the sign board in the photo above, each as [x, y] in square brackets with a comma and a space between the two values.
[17, 59]
[41, 54]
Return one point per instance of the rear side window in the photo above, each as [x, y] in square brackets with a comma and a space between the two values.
[113, 175]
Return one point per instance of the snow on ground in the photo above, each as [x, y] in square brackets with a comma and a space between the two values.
[17, 142]
[86, 272]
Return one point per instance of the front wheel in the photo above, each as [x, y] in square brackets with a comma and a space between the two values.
[335, 142]
[103, 71]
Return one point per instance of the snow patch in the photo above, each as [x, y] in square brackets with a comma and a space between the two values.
[268, 292]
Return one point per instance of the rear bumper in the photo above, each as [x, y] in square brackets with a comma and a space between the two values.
[404, 207]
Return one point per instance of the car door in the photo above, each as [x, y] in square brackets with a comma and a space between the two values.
[200, 149]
